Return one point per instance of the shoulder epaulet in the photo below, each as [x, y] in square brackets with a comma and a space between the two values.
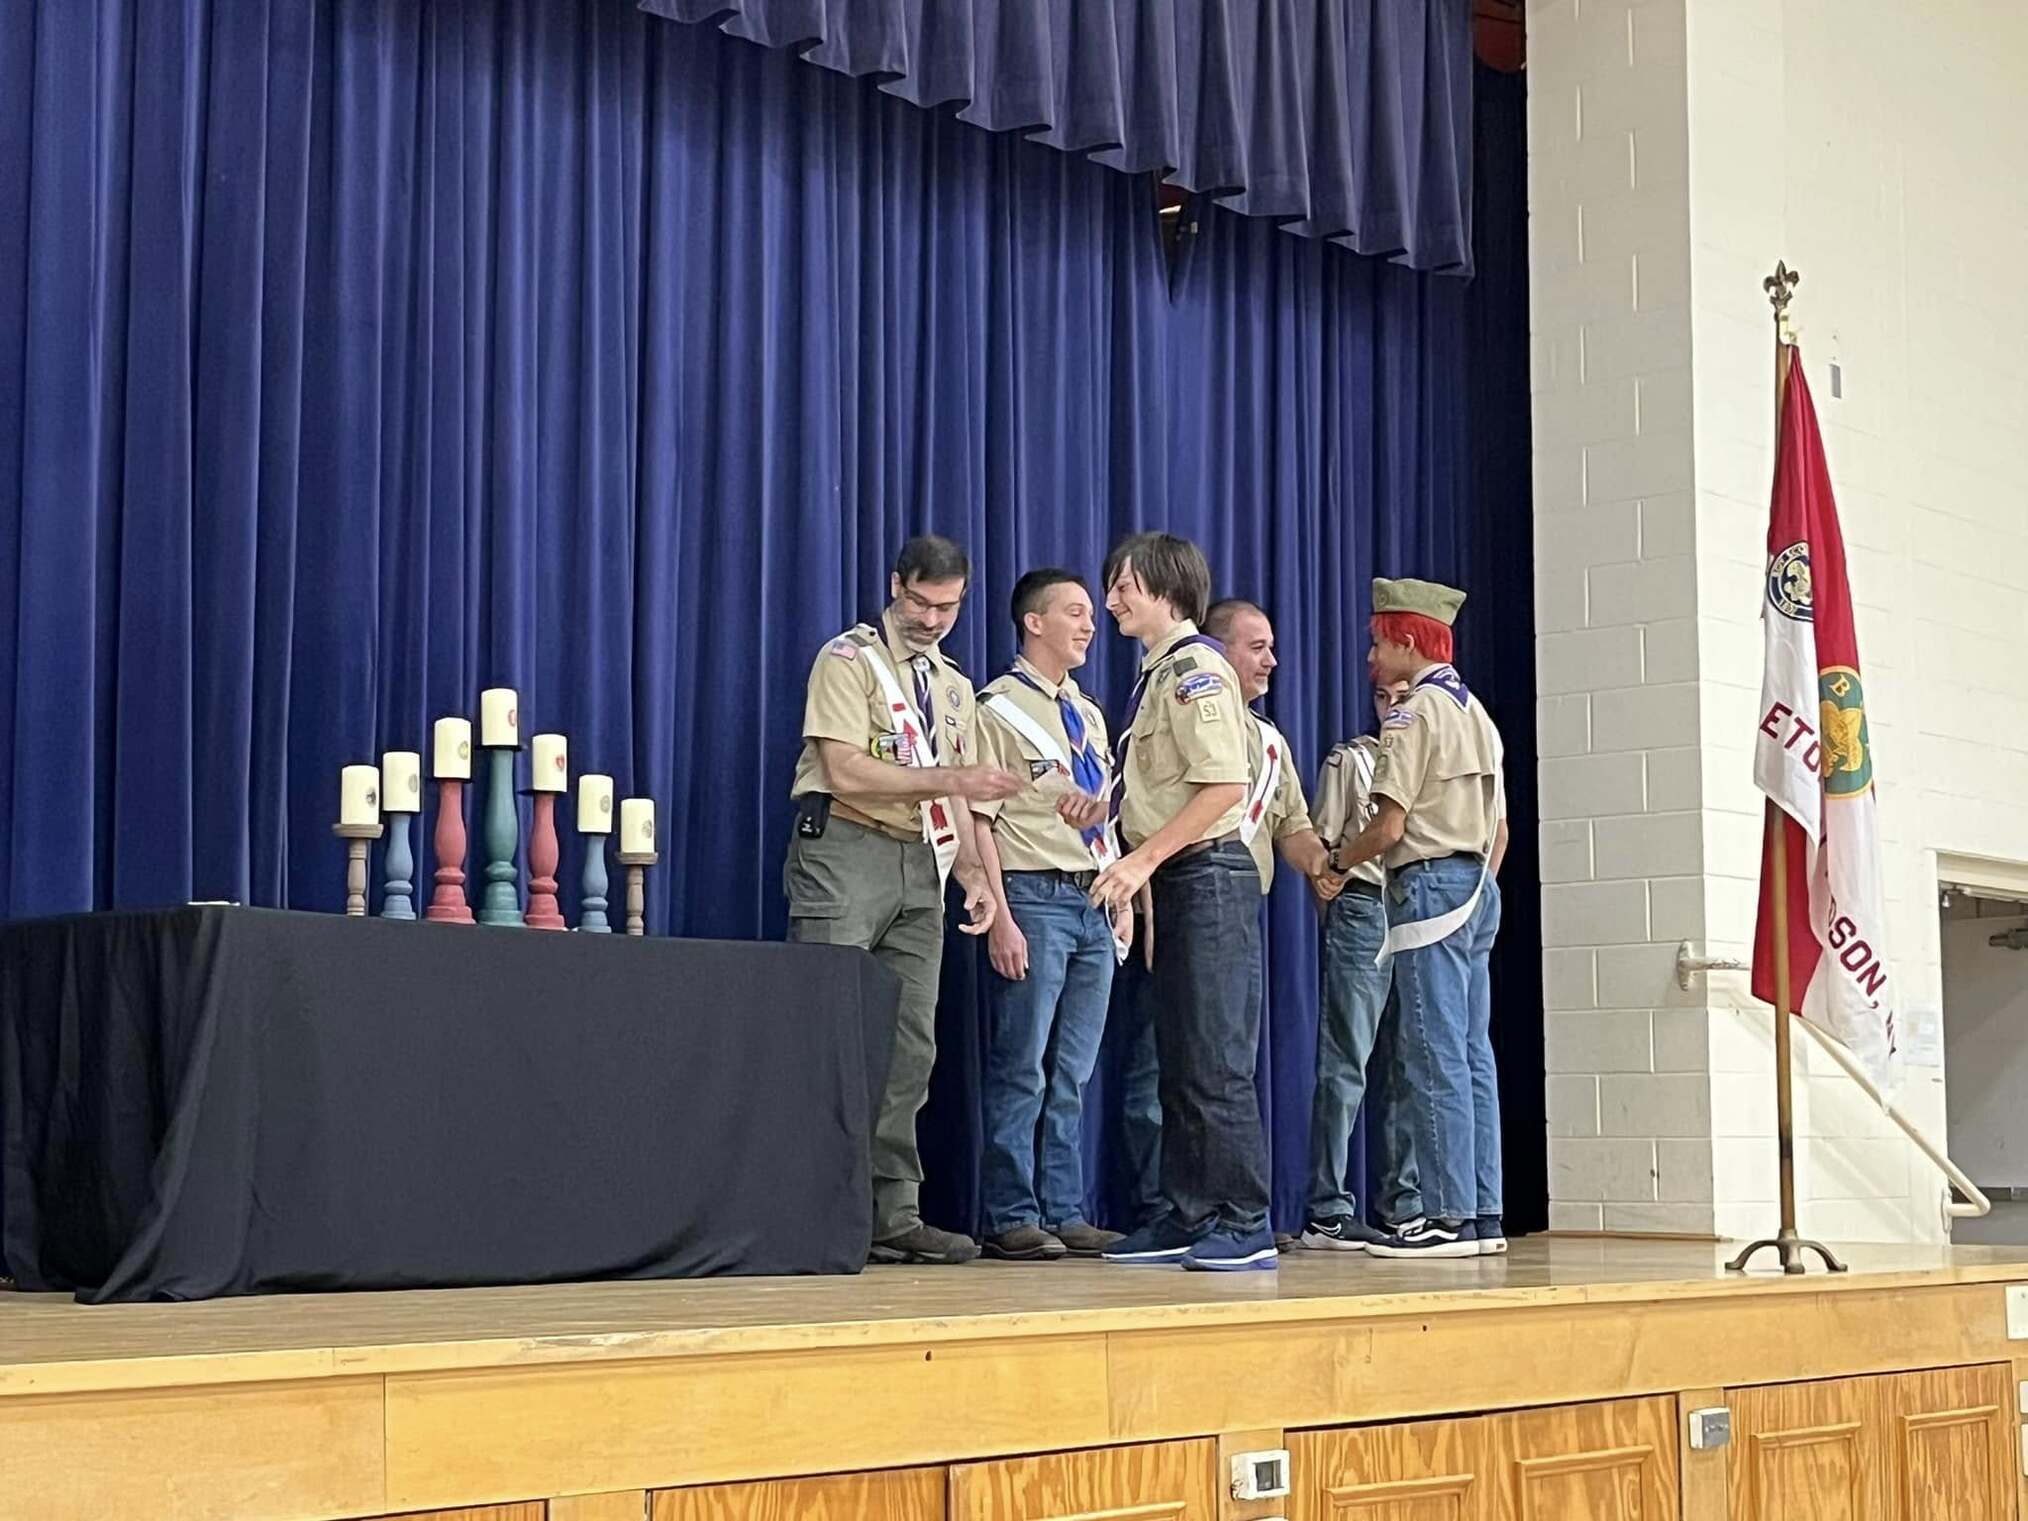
[862, 634]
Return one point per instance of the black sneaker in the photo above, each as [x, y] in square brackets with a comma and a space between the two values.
[1431, 1238]
[1340, 1233]
[1492, 1236]
[927, 1246]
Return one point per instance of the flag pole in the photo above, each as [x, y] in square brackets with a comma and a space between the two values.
[1788, 1246]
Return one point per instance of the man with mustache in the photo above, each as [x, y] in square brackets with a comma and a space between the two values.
[1052, 951]
[888, 744]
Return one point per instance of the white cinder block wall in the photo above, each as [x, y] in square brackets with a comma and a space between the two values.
[1677, 148]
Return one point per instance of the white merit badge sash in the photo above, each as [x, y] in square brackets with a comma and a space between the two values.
[1104, 849]
[1273, 753]
[1419, 933]
[906, 723]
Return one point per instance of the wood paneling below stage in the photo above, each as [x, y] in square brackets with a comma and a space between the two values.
[1539, 1388]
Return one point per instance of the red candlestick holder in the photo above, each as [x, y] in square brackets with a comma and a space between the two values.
[447, 903]
[542, 912]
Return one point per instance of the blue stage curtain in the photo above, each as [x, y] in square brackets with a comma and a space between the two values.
[1350, 120]
[357, 356]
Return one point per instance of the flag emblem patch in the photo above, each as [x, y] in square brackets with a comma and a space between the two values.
[1788, 583]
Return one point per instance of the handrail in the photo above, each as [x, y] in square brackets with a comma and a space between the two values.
[1977, 1203]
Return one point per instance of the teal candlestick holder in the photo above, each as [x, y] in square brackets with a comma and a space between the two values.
[500, 899]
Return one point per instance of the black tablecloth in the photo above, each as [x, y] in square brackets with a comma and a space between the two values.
[210, 1101]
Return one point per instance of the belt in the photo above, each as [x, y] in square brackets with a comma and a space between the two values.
[1081, 880]
[1201, 846]
[1364, 889]
[840, 809]
[1457, 855]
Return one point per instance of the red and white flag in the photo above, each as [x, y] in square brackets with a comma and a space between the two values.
[1813, 757]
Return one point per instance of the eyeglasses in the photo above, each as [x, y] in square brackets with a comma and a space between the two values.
[922, 607]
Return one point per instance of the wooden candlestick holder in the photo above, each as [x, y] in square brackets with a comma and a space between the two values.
[542, 852]
[357, 838]
[593, 921]
[397, 892]
[447, 904]
[499, 898]
[637, 863]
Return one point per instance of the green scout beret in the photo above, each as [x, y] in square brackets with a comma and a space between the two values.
[1430, 598]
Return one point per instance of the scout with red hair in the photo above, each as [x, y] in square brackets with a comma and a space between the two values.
[1440, 823]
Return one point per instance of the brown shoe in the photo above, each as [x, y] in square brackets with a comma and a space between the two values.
[1024, 1243]
[1086, 1240]
[927, 1246]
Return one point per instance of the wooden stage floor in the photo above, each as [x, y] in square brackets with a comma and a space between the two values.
[369, 1404]
[49, 1343]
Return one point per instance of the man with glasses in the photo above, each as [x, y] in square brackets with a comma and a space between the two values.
[888, 746]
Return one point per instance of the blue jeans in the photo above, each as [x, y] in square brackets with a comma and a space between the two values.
[1040, 1051]
[1397, 1197]
[1141, 1098]
[1207, 1013]
[1356, 1004]
[1446, 1039]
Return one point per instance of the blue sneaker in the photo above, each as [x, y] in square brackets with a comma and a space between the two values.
[1431, 1238]
[1492, 1236]
[1161, 1244]
[1225, 1251]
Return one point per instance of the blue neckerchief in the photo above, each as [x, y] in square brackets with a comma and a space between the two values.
[1445, 679]
[1085, 769]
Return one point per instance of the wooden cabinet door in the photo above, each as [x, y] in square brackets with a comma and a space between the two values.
[1808, 1452]
[1950, 1441]
[1157, 1481]
[1614, 1461]
[1416, 1471]
[905, 1494]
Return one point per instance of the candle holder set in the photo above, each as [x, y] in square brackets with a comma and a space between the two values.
[395, 789]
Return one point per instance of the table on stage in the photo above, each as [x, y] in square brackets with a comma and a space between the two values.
[206, 1101]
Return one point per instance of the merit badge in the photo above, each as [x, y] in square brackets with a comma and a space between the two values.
[1788, 583]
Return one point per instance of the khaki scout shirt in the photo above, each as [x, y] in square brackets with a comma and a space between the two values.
[1287, 811]
[1345, 802]
[845, 702]
[1190, 732]
[1029, 832]
[1441, 760]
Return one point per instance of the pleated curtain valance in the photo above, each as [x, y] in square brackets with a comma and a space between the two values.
[1348, 120]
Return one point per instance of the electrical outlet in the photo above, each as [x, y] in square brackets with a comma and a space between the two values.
[1710, 1427]
[1260, 1475]
[2017, 1312]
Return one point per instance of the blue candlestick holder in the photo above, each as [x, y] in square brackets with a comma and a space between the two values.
[593, 918]
[397, 893]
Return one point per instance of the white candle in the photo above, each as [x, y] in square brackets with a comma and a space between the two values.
[500, 718]
[594, 804]
[359, 795]
[637, 825]
[453, 754]
[551, 769]
[401, 782]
